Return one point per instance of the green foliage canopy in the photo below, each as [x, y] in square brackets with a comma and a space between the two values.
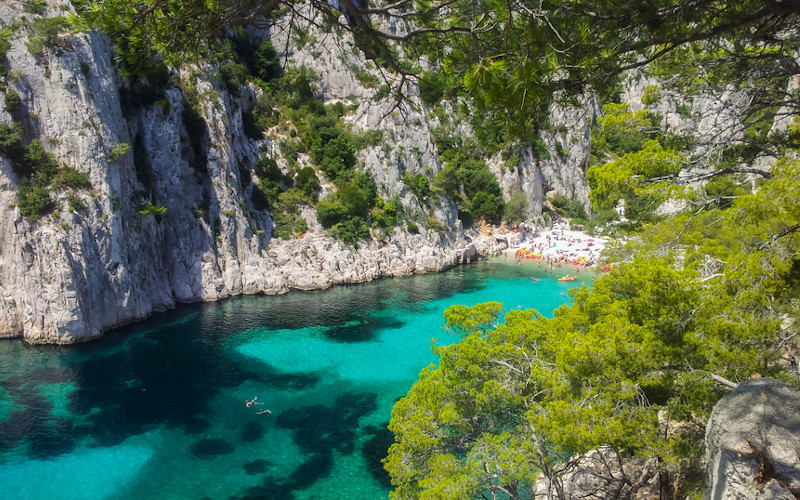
[513, 401]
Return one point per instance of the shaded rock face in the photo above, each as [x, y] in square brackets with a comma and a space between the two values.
[600, 473]
[563, 171]
[753, 443]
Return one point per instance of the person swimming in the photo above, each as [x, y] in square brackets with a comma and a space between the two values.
[251, 402]
[263, 412]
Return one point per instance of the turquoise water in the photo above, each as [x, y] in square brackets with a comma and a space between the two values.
[157, 410]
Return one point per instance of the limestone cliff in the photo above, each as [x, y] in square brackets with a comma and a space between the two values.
[559, 171]
[85, 268]
[752, 443]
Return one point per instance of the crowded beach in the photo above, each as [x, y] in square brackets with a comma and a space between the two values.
[560, 248]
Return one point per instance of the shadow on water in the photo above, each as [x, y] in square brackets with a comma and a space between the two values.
[375, 450]
[253, 431]
[45, 436]
[259, 466]
[209, 448]
[360, 330]
[318, 431]
[130, 382]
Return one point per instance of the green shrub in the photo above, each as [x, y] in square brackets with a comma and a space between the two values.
[233, 75]
[487, 206]
[383, 92]
[46, 34]
[431, 88]
[419, 185]
[384, 214]
[684, 110]
[75, 204]
[337, 158]
[651, 95]
[33, 200]
[264, 113]
[267, 168]
[601, 219]
[13, 103]
[516, 209]
[367, 79]
[118, 151]
[463, 173]
[354, 199]
[12, 148]
[725, 190]
[261, 58]
[308, 182]
[150, 209]
[352, 230]
[330, 212]
[42, 165]
[413, 228]
[361, 140]
[572, 209]
[37, 7]
[69, 177]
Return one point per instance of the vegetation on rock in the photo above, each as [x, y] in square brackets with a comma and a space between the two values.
[637, 362]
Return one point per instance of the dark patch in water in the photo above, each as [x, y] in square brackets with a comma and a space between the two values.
[259, 466]
[270, 491]
[318, 431]
[376, 449]
[342, 304]
[196, 425]
[360, 330]
[312, 470]
[207, 448]
[282, 381]
[253, 431]
[321, 429]
[49, 444]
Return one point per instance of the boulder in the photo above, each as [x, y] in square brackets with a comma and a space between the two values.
[753, 443]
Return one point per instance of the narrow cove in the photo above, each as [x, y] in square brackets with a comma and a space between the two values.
[157, 409]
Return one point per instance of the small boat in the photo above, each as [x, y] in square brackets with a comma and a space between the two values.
[568, 278]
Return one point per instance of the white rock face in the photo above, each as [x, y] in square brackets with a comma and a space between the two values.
[564, 172]
[70, 276]
[752, 443]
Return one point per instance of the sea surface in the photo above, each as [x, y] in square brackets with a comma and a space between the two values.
[157, 410]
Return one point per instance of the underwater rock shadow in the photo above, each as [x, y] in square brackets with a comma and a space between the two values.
[317, 430]
[211, 447]
[361, 330]
[376, 449]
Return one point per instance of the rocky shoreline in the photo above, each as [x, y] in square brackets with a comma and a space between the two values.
[314, 261]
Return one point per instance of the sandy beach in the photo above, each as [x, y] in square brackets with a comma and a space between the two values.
[561, 248]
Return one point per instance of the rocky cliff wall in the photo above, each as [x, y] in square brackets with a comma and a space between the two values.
[562, 170]
[100, 260]
[75, 273]
[752, 443]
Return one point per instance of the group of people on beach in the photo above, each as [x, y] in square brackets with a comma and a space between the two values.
[560, 248]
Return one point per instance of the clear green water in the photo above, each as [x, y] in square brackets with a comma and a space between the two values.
[157, 410]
